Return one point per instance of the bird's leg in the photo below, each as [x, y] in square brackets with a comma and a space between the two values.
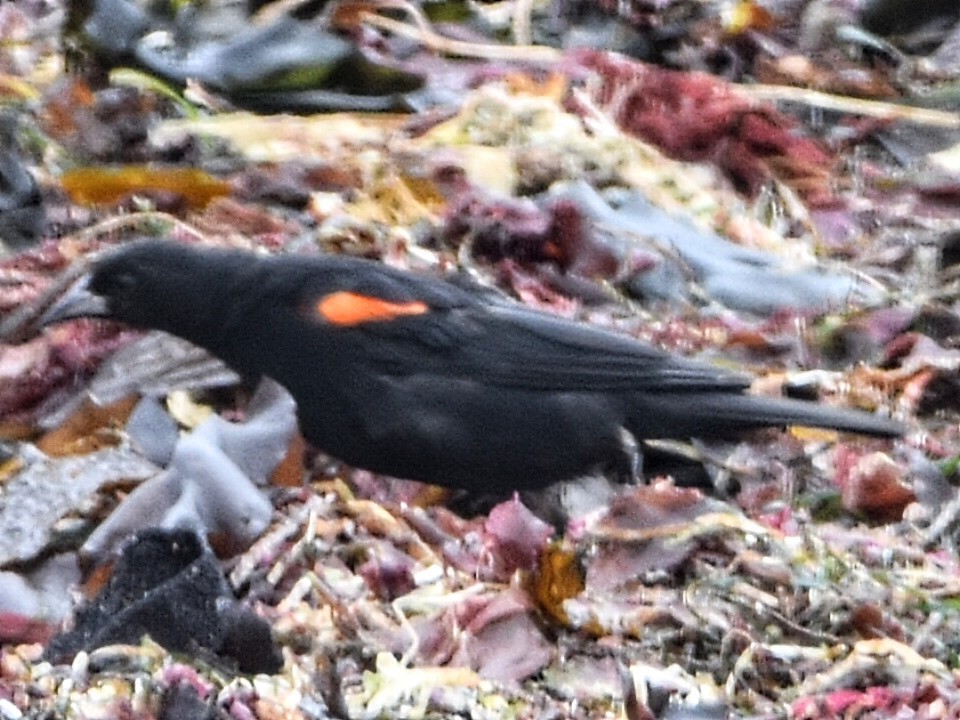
[630, 470]
[576, 498]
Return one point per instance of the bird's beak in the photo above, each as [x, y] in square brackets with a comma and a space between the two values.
[77, 302]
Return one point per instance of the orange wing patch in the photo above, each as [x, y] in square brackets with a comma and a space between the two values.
[347, 308]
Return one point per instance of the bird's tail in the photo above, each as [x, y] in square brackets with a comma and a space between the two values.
[725, 414]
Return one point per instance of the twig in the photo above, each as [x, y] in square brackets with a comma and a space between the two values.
[855, 106]
[422, 32]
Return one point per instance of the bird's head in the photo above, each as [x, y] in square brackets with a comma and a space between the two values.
[147, 284]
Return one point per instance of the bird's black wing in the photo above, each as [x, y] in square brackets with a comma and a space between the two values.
[509, 346]
[401, 324]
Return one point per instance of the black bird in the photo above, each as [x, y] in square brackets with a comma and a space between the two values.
[420, 378]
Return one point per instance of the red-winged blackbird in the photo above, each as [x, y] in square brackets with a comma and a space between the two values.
[416, 377]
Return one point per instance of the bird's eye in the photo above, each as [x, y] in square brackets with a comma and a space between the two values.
[114, 284]
[119, 283]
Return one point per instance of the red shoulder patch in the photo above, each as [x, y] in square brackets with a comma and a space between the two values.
[347, 308]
